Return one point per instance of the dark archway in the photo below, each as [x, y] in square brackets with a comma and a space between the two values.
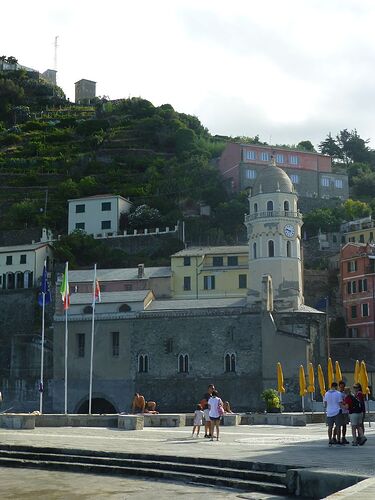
[98, 405]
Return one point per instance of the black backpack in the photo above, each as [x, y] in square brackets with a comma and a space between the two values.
[356, 405]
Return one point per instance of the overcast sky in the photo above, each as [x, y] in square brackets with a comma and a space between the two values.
[288, 71]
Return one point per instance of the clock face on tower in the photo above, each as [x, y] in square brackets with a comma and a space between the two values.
[289, 230]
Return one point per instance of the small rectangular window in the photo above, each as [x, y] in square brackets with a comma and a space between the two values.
[23, 259]
[9, 260]
[293, 159]
[209, 282]
[81, 345]
[279, 158]
[364, 284]
[349, 287]
[294, 178]
[106, 224]
[115, 344]
[325, 181]
[232, 260]
[80, 225]
[242, 281]
[187, 283]
[364, 310]
[250, 155]
[264, 156]
[80, 209]
[338, 183]
[353, 311]
[106, 206]
[354, 287]
[371, 238]
[217, 261]
[360, 285]
[250, 173]
[352, 266]
[187, 261]
[361, 238]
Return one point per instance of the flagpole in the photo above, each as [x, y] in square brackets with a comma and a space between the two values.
[66, 364]
[41, 387]
[92, 338]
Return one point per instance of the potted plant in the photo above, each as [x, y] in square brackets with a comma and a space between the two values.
[272, 400]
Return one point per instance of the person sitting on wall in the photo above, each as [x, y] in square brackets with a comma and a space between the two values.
[226, 407]
[151, 407]
[138, 403]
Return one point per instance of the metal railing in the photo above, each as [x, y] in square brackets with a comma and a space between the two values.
[273, 213]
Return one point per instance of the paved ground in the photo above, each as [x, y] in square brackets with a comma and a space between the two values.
[299, 446]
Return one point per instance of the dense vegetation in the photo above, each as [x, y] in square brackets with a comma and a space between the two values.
[163, 161]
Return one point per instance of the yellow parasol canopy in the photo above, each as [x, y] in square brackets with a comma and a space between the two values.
[302, 382]
[338, 373]
[357, 370]
[363, 378]
[322, 384]
[311, 386]
[330, 374]
[280, 379]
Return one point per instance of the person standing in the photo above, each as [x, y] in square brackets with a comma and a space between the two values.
[204, 404]
[354, 403]
[198, 420]
[215, 406]
[343, 418]
[332, 403]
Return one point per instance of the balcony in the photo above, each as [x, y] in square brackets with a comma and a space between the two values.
[273, 213]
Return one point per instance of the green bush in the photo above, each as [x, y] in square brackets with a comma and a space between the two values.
[271, 398]
[10, 139]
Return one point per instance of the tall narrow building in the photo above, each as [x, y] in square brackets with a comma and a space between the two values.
[274, 234]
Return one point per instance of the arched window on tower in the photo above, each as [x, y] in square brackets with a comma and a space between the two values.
[288, 249]
[255, 208]
[286, 206]
[270, 206]
[271, 248]
[143, 363]
[254, 250]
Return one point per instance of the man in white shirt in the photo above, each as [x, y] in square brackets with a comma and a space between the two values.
[332, 404]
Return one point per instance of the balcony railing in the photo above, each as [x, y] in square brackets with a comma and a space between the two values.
[272, 213]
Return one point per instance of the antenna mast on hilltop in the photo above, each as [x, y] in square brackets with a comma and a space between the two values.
[55, 58]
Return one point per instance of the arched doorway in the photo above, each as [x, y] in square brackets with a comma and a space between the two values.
[98, 405]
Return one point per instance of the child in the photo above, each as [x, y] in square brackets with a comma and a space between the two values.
[198, 419]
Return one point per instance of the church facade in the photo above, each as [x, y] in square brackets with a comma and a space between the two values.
[170, 350]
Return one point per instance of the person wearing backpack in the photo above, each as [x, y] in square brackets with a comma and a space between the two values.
[354, 403]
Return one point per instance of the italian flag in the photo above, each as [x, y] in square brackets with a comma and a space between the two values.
[64, 288]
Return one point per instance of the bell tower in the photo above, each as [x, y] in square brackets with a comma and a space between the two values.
[274, 235]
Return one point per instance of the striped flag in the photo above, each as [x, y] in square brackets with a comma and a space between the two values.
[64, 288]
[96, 295]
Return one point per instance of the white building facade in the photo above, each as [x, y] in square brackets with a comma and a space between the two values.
[97, 215]
[21, 266]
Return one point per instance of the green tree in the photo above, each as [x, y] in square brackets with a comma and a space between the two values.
[306, 146]
[330, 147]
[354, 209]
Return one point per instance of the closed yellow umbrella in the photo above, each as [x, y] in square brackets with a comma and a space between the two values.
[280, 379]
[302, 386]
[330, 374]
[311, 386]
[363, 379]
[357, 370]
[322, 383]
[338, 373]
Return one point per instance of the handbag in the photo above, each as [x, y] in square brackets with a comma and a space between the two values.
[220, 409]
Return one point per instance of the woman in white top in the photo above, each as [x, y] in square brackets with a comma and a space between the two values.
[215, 406]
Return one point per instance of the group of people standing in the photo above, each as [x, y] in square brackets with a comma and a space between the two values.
[209, 411]
[344, 406]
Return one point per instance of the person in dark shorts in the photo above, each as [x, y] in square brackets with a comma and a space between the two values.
[343, 417]
[215, 406]
[332, 403]
[354, 403]
[204, 404]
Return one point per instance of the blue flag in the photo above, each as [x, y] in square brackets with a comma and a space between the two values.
[44, 289]
[322, 304]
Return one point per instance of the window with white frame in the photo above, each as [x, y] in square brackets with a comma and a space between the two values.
[183, 363]
[250, 173]
[362, 285]
[143, 363]
[279, 158]
[338, 183]
[325, 181]
[264, 156]
[250, 155]
[364, 309]
[294, 178]
[293, 159]
[352, 266]
[230, 362]
[209, 282]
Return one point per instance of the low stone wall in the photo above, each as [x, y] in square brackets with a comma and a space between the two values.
[130, 422]
[17, 421]
[292, 419]
[164, 420]
[76, 420]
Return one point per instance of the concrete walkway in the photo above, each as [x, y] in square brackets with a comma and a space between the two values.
[300, 447]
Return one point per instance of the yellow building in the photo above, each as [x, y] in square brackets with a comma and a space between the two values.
[359, 231]
[208, 272]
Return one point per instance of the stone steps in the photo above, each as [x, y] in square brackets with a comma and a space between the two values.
[223, 473]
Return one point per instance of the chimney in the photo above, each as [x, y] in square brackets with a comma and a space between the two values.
[141, 271]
